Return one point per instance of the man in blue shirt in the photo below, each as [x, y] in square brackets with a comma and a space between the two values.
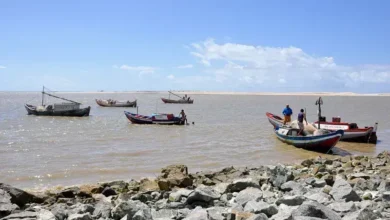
[301, 117]
[287, 112]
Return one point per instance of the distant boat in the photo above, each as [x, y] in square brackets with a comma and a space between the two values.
[161, 119]
[182, 100]
[70, 108]
[115, 103]
[321, 143]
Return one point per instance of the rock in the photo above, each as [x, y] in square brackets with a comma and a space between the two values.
[363, 214]
[164, 213]
[360, 175]
[296, 188]
[148, 185]
[242, 184]
[82, 208]
[221, 187]
[248, 194]
[367, 196]
[60, 211]
[174, 175]
[143, 197]
[319, 183]
[260, 207]
[25, 215]
[291, 200]
[176, 196]
[108, 191]
[386, 196]
[320, 197]
[69, 192]
[329, 179]
[85, 216]
[102, 210]
[203, 194]
[260, 216]
[315, 209]
[119, 186]
[336, 164]
[91, 189]
[43, 214]
[6, 207]
[284, 212]
[18, 196]
[197, 214]
[127, 208]
[143, 214]
[280, 175]
[307, 163]
[343, 207]
[341, 190]
[326, 189]
[384, 185]
[215, 213]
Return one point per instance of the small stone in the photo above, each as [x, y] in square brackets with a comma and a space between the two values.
[367, 196]
[260, 216]
[314, 209]
[360, 175]
[307, 163]
[343, 207]
[108, 191]
[85, 216]
[249, 194]
[386, 196]
[242, 184]
[343, 191]
[319, 183]
[326, 189]
[291, 200]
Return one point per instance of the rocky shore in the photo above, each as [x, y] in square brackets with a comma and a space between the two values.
[345, 188]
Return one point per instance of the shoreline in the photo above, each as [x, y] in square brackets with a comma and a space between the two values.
[346, 94]
[350, 187]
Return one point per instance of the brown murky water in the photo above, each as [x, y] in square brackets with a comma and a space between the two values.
[229, 130]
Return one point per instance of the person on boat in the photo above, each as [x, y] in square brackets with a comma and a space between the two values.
[301, 118]
[185, 97]
[287, 112]
[183, 116]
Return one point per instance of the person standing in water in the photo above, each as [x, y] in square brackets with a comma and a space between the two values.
[183, 116]
[287, 112]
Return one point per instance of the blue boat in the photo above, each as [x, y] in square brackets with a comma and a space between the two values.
[321, 143]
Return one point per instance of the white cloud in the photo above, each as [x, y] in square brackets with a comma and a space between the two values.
[278, 66]
[139, 69]
[2, 67]
[171, 76]
[188, 66]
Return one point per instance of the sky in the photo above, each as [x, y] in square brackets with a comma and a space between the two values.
[213, 45]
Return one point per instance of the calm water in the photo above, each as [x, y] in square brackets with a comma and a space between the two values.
[229, 130]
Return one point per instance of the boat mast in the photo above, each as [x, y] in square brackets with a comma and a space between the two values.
[43, 91]
[319, 103]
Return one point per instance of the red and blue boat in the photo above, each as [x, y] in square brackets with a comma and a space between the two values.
[321, 143]
[161, 119]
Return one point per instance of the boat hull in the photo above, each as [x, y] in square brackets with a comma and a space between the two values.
[31, 110]
[321, 143]
[105, 103]
[180, 101]
[360, 135]
[142, 119]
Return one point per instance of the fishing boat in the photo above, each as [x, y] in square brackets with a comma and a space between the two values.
[115, 103]
[321, 143]
[69, 108]
[352, 132]
[161, 119]
[182, 100]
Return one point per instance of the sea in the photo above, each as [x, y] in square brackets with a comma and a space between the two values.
[224, 130]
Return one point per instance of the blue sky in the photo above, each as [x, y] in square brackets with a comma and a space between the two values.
[275, 46]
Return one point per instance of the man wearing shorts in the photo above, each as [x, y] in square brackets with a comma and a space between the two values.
[301, 117]
[287, 112]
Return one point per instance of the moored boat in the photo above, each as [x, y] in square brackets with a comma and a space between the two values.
[352, 132]
[69, 108]
[182, 100]
[115, 103]
[321, 143]
[162, 119]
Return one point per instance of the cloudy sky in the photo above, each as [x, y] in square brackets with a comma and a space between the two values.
[274, 46]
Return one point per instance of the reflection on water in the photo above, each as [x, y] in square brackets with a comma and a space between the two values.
[229, 130]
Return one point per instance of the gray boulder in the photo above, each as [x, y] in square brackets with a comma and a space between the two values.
[215, 213]
[85, 216]
[291, 200]
[6, 207]
[260, 216]
[320, 197]
[294, 187]
[242, 184]
[197, 214]
[25, 215]
[319, 183]
[60, 211]
[20, 197]
[203, 194]
[315, 209]
[127, 208]
[260, 207]
[102, 210]
[343, 207]
[363, 214]
[284, 212]
[280, 175]
[342, 191]
[143, 214]
[249, 194]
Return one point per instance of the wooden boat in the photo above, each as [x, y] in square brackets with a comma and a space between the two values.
[70, 108]
[351, 131]
[182, 100]
[321, 143]
[162, 119]
[115, 103]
